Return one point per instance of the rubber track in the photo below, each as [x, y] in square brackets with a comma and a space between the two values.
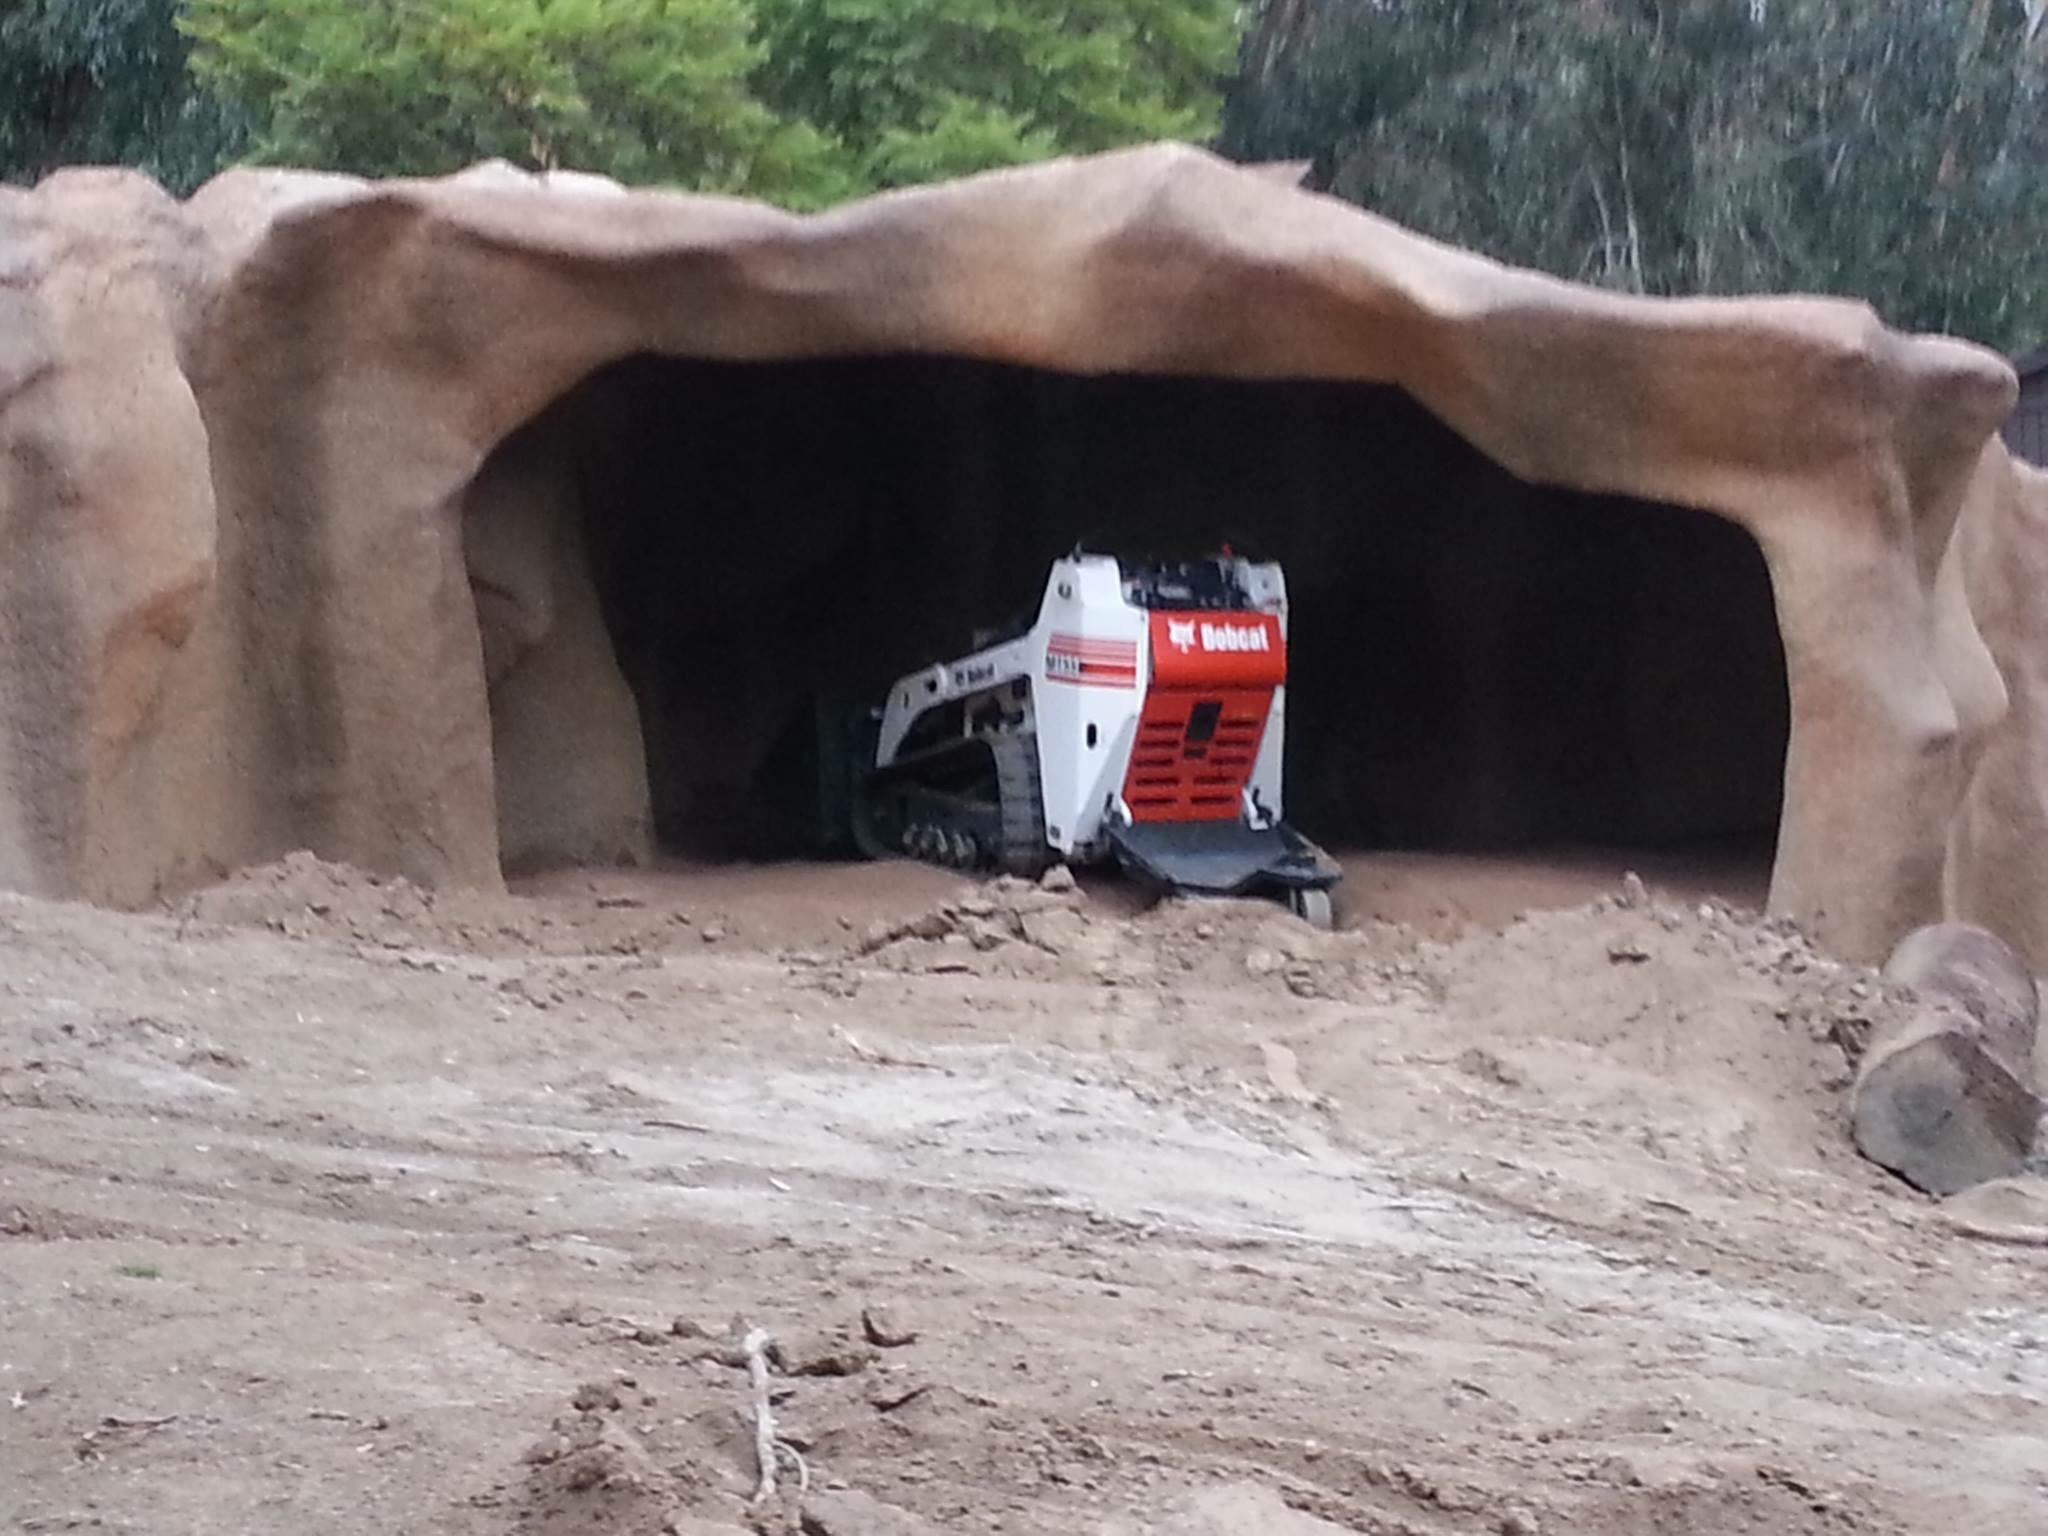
[1022, 801]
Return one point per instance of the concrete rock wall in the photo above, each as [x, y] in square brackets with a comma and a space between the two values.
[241, 435]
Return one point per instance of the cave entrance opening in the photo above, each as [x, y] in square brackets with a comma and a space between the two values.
[1479, 666]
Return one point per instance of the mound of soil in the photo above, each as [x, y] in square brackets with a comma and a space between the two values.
[1069, 1216]
[1056, 929]
[305, 897]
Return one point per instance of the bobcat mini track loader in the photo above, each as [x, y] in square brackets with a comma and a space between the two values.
[1139, 720]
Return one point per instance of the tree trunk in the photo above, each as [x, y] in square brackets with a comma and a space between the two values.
[1946, 1099]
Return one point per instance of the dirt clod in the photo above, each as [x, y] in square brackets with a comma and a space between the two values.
[825, 1353]
[885, 1327]
[851, 1513]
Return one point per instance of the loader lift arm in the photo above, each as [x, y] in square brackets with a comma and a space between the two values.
[913, 697]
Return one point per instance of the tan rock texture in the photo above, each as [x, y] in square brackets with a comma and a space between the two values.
[1945, 1095]
[242, 437]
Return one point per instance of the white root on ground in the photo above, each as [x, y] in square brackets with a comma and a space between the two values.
[756, 1346]
[803, 1468]
[767, 1449]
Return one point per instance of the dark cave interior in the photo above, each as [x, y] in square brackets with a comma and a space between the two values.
[1475, 662]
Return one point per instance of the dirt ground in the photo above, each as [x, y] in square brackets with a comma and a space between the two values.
[329, 1206]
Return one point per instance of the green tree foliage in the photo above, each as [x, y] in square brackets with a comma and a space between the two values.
[645, 90]
[103, 83]
[1887, 149]
[805, 101]
[918, 89]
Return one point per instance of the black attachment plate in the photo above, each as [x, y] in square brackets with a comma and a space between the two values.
[1222, 858]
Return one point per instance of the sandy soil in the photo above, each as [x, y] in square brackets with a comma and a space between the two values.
[329, 1206]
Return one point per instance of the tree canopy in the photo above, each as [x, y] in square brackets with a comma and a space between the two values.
[104, 83]
[645, 90]
[913, 90]
[803, 101]
[1888, 149]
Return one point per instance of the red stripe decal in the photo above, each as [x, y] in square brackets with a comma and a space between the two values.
[1081, 645]
[1091, 663]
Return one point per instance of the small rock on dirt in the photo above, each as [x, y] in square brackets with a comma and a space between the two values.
[851, 1513]
[2013, 1211]
[1303, 981]
[823, 1354]
[596, 1397]
[1056, 931]
[1477, 1061]
[886, 1328]
[983, 934]
[546, 1451]
[1620, 1471]
[1237, 1509]
[1059, 880]
[886, 1394]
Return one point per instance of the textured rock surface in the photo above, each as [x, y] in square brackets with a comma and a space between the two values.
[1946, 1099]
[1997, 876]
[571, 771]
[241, 434]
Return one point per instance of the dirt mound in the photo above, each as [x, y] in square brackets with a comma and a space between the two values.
[1728, 1005]
[1704, 990]
[1712, 1037]
[305, 897]
[592, 1475]
[667, 1447]
[601, 1470]
[1708, 1038]
[1006, 926]
[1757, 1497]
[1057, 930]
[1714, 1023]
[1706, 1033]
[1061, 1213]
[302, 895]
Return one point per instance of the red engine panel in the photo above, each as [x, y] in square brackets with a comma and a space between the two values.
[1213, 677]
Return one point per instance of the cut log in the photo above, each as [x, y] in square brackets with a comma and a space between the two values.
[1980, 973]
[1945, 1099]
